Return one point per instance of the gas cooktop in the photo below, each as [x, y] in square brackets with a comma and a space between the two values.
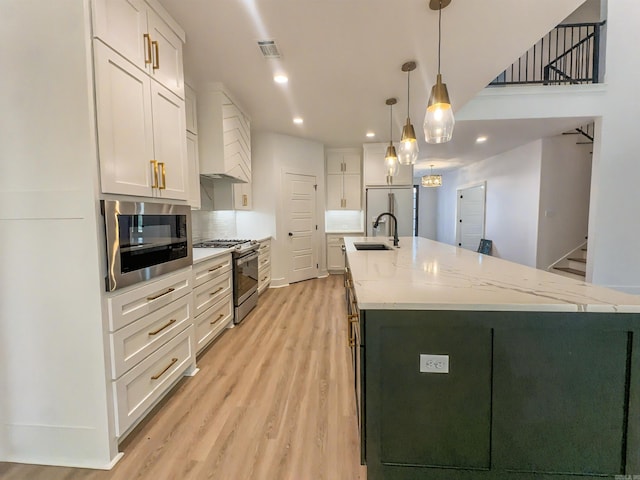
[240, 245]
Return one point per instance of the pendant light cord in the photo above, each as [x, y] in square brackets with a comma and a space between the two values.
[439, 34]
[391, 124]
[408, 73]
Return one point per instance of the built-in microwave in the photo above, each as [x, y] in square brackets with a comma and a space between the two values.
[145, 240]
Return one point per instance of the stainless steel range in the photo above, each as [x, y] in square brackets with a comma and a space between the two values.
[245, 272]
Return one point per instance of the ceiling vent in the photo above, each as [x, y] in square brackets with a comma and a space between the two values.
[269, 48]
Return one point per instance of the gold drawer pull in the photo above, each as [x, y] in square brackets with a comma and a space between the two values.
[158, 375]
[264, 278]
[156, 59]
[164, 176]
[155, 332]
[147, 53]
[169, 290]
[214, 321]
[265, 261]
[154, 163]
[216, 268]
[217, 291]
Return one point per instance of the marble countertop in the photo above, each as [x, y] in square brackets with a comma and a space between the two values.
[202, 254]
[425, 275]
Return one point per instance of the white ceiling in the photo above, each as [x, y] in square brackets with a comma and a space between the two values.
[344, 57]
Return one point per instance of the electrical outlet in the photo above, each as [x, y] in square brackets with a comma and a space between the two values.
[434, 363]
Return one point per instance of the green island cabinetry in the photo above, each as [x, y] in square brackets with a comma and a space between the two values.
[472, 367]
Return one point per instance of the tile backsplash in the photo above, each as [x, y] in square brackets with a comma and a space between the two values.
[207, 225]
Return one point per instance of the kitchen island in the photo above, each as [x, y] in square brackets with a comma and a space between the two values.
[472, 367]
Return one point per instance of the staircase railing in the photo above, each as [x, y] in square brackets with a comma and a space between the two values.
[569, 54]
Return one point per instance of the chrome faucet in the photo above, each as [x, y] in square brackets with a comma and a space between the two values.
[395, 226]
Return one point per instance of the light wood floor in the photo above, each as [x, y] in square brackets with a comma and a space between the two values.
[273, 400]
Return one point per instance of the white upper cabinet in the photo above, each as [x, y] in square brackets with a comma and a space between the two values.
[375, 173]
[344, 189]
[145, 35]
[125, 124]
[224, 136]
[170, 149]
[190, 104]
[141, 129]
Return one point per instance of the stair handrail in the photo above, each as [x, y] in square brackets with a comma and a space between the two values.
[565, 68]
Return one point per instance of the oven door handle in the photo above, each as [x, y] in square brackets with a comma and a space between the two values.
[247, 258]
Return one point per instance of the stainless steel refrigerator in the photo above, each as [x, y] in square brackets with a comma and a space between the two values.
[396, 200]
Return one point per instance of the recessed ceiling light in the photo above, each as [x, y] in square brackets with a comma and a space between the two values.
[371, 134]
[298, 121]
[280, 78]
[481, 139]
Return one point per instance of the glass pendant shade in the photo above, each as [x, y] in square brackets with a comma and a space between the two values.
[439, 121]
[431, 180]
[391, 161]
[408, 150]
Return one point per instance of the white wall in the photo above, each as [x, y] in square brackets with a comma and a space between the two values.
[54, 405]
[272, 156]
[564, 197]
[427, 212]
[512, 198]
[614, 257]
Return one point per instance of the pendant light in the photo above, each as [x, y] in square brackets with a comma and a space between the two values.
[431, 180]
[408, 151]
[391, 158]
[439, 121]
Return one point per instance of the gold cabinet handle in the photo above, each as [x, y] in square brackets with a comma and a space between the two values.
[214, 321]
[264, 278]
[169, 290]
[155, 332]
[158, 375]
[164, 176]
[147, 51]
[264, 261]
[154, 164]
[216, 268]
[156, 59]
[245, 200]
[217, 291]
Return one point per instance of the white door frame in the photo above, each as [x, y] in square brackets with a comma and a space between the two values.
[484, 213]
[283, 226]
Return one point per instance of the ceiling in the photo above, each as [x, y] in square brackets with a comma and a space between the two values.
[344, 57]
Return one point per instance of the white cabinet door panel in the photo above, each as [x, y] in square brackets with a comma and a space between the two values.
[169, 140]
[125, 130]
[334, 192]
[352, 192]
[167, 55]
[122, 24]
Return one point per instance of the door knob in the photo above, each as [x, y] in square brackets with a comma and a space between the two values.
[290, 234]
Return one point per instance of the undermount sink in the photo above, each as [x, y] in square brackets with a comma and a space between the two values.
[371, 246]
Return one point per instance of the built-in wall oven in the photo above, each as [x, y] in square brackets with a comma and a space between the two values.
[245, 273]
[145, 240]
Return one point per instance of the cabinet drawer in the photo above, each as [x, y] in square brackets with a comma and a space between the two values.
[205, 271]
[138, 389]
[208, 294]
[263, 263]
[265, 247]
[133, 343]
[129, 306]
[213, 321]
[264, 278]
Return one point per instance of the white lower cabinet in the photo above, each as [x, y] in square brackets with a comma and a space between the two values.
[212, 298]
[264, 265]
[138, 389]
[335, 253]
[152, 341]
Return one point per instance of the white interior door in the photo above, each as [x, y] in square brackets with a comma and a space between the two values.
[470, 221]
[300, 210]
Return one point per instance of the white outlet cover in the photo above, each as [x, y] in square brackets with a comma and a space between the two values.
[434, 363]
